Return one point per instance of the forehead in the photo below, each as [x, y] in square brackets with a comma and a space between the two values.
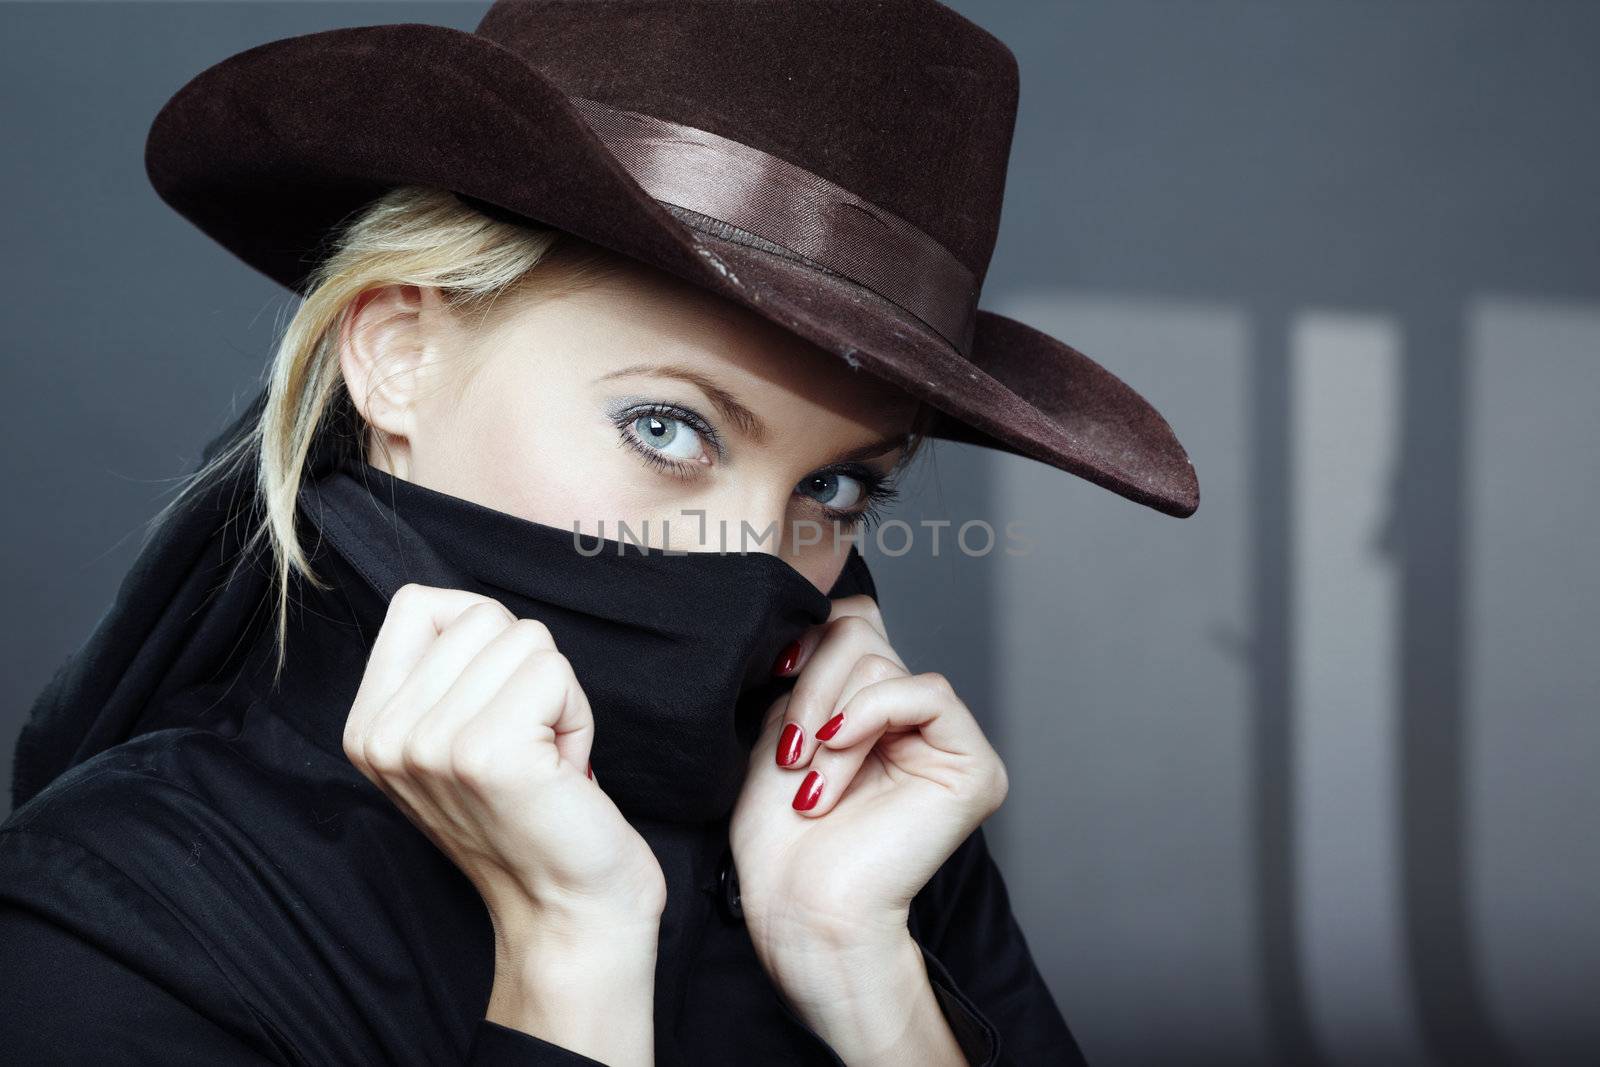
[635, 314]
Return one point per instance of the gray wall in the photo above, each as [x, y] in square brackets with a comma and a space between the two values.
[1304, 778]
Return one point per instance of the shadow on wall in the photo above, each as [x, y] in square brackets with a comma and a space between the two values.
[1306, 775]
[1301, 779]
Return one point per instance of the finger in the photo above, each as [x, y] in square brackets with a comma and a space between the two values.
[919, 709]
[382, 748]
[829, 776]
[923, 702]
[484, 675]
[862, 606]
[830, 769]
[868, 670]
[793, 658]
[540, 717]
[428, 755]
[762, 776]
[816, 694]
[383, 739]
[417, 615]
[772, 722]
[374, 732]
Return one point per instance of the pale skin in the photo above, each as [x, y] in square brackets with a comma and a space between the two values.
[469, 718]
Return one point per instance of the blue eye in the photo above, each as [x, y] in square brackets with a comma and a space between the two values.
[837, 492]
[673, 438]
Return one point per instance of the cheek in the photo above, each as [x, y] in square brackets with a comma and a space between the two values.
[821, 563]
[541, 461]
[556, 463]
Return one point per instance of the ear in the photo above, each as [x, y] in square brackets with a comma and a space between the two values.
[389, 349]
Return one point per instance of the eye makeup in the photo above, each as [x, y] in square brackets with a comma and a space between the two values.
[629, 413]
[877, 492]
[655, 430]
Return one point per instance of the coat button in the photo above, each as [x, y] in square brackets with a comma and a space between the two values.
[728, 890]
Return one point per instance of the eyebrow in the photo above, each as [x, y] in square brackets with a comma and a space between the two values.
[873, 450]
[741, 416]
[735, 412]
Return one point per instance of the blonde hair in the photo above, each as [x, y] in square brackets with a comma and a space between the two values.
[416, 235]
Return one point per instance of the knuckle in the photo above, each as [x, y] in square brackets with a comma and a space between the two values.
[383, 753]
[473, 760]
[863, 609]
[804, 700]
[940, 685]
[1000, 783]
[354, 751]
[484, 609]
[543, 667]
[533, 631]
[560, 667]
[992, 785]
[409, 595]
[851, 627]
[858, 603]
[878, 667]
[422, 755]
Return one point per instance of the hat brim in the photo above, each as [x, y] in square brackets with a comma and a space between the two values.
[268, 150]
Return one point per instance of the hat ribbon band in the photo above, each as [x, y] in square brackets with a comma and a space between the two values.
[809, 217]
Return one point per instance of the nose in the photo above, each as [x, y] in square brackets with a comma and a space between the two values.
[744, 518]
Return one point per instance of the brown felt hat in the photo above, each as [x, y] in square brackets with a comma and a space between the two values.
[837, 166]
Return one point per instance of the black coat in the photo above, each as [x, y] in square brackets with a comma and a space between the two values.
[224, 887]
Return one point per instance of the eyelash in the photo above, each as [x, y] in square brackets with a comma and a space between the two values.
[877, 490]
[624, 419]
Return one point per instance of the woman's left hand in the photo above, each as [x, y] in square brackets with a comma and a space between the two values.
[865, 779]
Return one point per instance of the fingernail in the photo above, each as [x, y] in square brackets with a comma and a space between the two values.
[831, 727]
[806, 797]
[790, 742]
[787, 659]
[591, 770]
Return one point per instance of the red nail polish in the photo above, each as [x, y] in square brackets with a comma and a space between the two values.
[831, 727]
[591, 770]
[790, 742]
[787, 659]
[810, 791]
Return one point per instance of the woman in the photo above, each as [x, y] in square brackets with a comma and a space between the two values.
[387, 752]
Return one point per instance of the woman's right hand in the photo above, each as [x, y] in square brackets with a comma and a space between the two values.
[474, 725]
